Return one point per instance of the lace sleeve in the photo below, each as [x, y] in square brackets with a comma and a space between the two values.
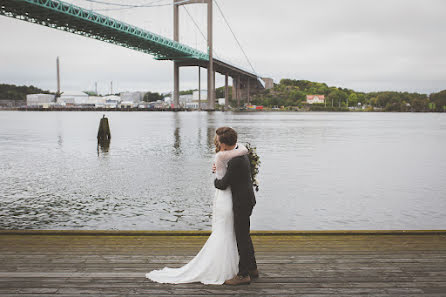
[223, 156]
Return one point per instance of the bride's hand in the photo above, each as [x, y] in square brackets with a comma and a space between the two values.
[214, 168]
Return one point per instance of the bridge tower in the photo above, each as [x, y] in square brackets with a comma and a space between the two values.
[210, 66]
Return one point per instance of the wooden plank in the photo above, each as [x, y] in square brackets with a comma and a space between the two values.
[337, 264]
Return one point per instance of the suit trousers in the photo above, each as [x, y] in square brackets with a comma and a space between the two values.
[244, 243]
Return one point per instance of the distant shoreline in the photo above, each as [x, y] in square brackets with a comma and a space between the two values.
[90, 109]
[189, 110]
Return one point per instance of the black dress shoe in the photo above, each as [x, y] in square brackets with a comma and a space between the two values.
[238, 280]
[254, 273]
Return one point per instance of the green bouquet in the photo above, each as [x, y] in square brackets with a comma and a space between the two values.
[254, 161]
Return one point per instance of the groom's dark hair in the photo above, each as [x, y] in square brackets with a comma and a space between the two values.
[227, 135]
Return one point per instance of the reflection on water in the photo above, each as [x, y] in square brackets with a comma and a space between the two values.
[319, 170]
[210, 132]
[177, 141]
[176, 134]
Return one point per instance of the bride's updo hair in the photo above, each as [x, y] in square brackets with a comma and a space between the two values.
[217, 144]
[227, 135]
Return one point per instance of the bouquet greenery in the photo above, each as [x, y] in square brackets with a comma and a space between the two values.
[254, 161]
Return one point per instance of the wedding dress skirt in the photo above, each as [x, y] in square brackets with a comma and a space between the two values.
[218, 259]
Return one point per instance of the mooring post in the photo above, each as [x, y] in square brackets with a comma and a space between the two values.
[104, 130]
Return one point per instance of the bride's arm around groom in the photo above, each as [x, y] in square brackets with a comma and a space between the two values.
[238, 176]
[230, 176]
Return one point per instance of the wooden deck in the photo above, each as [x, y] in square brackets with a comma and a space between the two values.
[114, 263]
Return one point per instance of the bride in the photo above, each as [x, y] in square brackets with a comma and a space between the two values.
[218, 259]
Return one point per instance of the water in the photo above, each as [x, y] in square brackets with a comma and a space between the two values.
[319, 171]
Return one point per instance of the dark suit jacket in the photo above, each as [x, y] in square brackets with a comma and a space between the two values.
[238, 176]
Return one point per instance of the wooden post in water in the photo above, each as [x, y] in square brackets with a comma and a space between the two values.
[104, 130]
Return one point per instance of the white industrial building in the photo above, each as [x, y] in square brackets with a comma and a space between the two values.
[184, 99]
[97, 101]
[112, 101]
[72, 98]
[134, 97]
[128, 104]
[192, 105]
[204, 95]
[40, 100]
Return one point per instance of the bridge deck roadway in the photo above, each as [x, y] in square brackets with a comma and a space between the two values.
[68, 17]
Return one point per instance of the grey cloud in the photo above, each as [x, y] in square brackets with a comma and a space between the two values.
[361, 44]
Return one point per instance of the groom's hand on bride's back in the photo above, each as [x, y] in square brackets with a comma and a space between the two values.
[227, 180]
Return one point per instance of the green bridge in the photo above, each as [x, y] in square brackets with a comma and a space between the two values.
[74, 19]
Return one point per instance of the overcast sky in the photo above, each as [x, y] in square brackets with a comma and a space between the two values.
[365, 45]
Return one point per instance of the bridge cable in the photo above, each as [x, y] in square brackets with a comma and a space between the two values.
[198, 27]
[123, 5]
[130, 6]
[152, 4]
[235, 37]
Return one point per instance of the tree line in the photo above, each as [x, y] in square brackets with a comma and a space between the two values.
[292, 93]
[13, 92]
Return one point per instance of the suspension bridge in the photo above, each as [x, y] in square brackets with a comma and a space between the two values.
[75, 19]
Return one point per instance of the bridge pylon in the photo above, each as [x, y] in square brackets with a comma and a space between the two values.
[210, 64]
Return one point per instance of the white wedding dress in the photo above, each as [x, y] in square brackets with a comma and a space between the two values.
[218, 259]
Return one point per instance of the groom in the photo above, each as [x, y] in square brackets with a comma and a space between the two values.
[238, 176]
